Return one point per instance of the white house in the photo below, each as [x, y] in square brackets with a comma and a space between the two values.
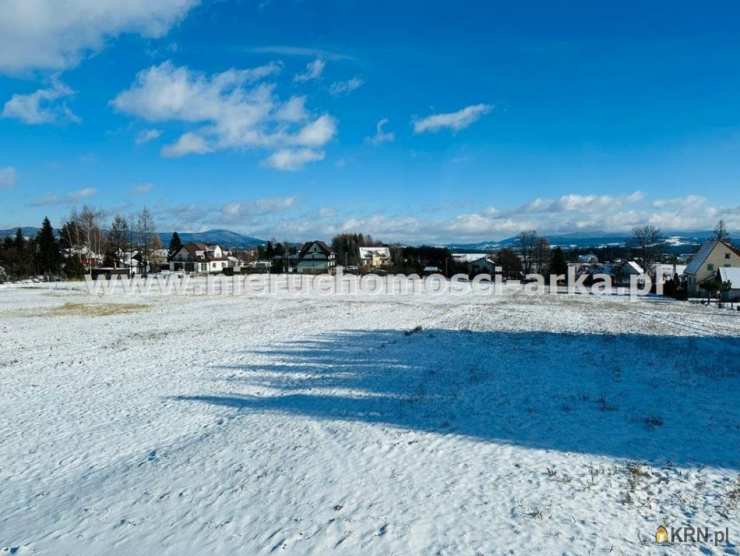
[712, 256]
[372, 258]
[199, 257]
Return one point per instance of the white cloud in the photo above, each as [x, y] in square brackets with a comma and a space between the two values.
[259, 207]
[600, 213]
[292, 159]
[313, 71]
[286, 218]
[166, 92]
[680, 202]
[148, 135]
[229, 110]
[41, 106]
[583, 203]
[68, 199]
[380, 135]
[317, 133]
[8, 177]
[188, 143]
[452, 120]
[294, 110]
[345, 87]
[55, 34]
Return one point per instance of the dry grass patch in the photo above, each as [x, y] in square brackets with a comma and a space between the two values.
[96, 309]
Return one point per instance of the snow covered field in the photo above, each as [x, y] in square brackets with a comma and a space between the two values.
[315, 425]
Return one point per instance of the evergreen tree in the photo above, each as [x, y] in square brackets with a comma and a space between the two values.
[73, 268]
[20, 256]
[510, 263]
[720, 231]
[70, 236]
[19, 242]
[558, 262]
[47, 255]
[175, 243]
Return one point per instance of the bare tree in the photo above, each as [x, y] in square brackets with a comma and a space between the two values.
[146, 237]
[527, 242]
[119, 236]
[541, 254]
[83, 232]
[646, 237]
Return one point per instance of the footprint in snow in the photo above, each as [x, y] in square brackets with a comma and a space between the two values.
[15, 550]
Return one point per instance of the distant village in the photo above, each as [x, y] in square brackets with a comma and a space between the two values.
[131, 247]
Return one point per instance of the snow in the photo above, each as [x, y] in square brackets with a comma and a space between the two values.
[143, 424]
[468, 257]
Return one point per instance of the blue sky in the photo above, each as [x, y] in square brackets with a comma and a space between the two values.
[416, 121]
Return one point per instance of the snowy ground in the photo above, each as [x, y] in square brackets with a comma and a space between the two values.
[314, 425]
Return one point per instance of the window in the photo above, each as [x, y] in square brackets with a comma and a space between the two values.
[727, 255]
[710, 267]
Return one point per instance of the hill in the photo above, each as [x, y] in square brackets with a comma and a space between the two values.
[225, 238]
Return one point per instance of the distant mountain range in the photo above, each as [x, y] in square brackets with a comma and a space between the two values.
[584, 240]
[28, 231]
[225, 238]
[676, 241]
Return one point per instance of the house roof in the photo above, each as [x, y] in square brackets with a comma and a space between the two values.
[730, 274]
[703, 253]
[194, 248]
[306, 246]
[383, 251]
[634, 266]
[468, 257]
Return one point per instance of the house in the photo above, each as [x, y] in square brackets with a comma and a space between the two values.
[199, 257]
[464, 258]
[713, 255]
[315, 257]
[373, 258]
[88, 257]
[731, 275]
[631, 268]
[484, 265]
[667, 271]
[259, 266]
[590, 258]
[475, 263]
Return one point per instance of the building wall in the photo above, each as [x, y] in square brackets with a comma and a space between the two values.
[717, 259]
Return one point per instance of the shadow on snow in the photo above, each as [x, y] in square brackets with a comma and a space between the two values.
[657, 399]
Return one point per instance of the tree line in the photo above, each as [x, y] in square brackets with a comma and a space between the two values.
[77, 246]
